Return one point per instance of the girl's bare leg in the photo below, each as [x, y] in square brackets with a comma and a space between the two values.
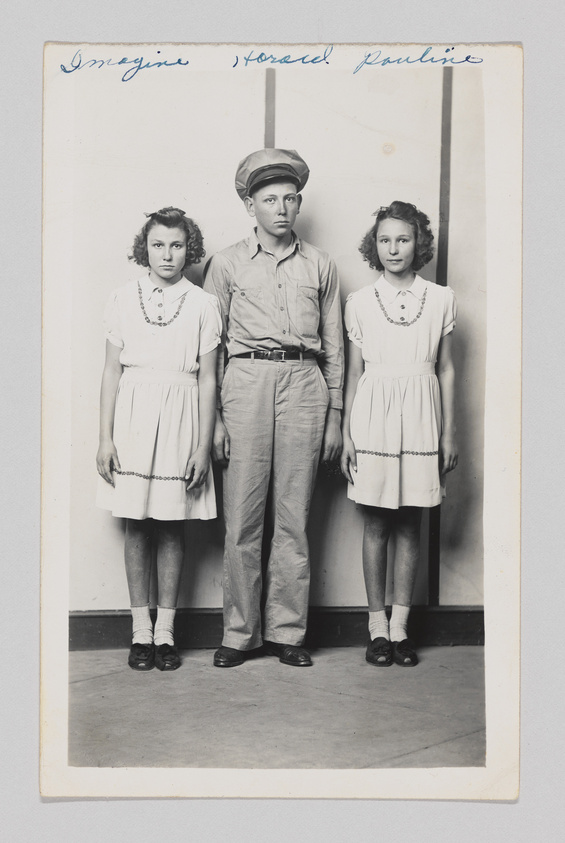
[170, 558]
[378, 523]
[138, 571]
[408, 520]
[137, 554]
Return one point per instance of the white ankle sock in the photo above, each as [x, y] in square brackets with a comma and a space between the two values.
[142, 627]
[164, 626]
[398, 621]
[378, 625]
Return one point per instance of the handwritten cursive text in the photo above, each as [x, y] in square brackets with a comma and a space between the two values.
[135, 65]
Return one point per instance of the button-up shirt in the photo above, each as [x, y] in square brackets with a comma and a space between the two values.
[291, 301]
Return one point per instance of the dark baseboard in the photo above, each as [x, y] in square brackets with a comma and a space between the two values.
[328, 626]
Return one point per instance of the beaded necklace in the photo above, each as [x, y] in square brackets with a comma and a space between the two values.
[150, 321]
[402, 324]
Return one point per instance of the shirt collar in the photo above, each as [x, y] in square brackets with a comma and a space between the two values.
[170, 294]
[255, 246]
[388, 293]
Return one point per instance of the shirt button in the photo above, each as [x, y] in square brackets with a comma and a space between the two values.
[284, 332]
[280, 285]
[243, 294]
[282, 308]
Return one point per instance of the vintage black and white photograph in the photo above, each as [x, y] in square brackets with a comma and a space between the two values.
[281, 333]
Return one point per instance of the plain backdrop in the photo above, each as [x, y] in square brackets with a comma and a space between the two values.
[25, 27]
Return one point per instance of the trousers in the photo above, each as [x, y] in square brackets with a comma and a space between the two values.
[274, 414]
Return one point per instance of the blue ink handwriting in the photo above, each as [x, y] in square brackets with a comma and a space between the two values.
[137, 64]
[372, 59]
[261, 58]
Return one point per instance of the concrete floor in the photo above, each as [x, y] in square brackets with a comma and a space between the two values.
[340, 713]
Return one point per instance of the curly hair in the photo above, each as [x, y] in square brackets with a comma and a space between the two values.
[171, 218]
[408, 213]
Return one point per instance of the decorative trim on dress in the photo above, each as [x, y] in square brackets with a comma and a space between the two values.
[402, 323]
[147, 476]
[151, 321]
[402, 453]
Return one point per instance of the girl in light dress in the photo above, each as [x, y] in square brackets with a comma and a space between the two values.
[157, 412]
[398, 425]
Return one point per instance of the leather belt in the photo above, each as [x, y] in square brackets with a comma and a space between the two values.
[279, 355]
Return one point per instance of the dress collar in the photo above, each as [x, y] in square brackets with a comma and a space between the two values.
[388, 293]
[170, 294]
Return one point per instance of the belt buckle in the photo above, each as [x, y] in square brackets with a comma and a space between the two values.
[278, 355]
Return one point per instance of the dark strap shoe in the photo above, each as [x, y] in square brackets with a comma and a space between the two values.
[379, 652]
[142, 657]
[403, 653]
[289, 654]
[228, 657]
[167, 657]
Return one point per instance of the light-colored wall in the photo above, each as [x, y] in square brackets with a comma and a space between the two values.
[367, 141]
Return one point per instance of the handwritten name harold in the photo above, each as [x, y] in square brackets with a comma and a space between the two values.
[268, 58]
[376, 58]
[133, 65]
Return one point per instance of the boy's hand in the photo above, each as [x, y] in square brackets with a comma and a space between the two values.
[331, 446]
[221, 442]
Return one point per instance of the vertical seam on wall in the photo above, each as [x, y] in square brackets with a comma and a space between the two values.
[270, 101]
[434, 550]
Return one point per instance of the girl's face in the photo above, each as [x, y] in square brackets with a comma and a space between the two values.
[396, 245]
[166, 250]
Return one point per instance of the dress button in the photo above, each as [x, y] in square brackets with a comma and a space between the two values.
[403, 293]
[160, 304]
[159, 318]
[403, 307]
[402, 319]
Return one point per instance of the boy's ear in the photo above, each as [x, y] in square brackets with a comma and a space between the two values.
[249, 207]
[299, 201]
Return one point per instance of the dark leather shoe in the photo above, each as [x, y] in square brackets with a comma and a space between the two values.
[403, 653]
[142, 657]
[379, 652]
[228, 657]
[289, 654]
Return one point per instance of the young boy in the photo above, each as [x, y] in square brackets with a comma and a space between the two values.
[279, 405]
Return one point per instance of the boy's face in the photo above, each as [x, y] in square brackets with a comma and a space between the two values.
[275, 206]
[166, 250]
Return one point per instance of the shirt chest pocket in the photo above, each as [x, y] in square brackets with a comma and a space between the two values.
[249, 311]
[307, 311]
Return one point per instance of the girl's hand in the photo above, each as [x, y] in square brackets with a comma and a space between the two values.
[197, 469]
[348, 459]
[106, 461]
[448, 455]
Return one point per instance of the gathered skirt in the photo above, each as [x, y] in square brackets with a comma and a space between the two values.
[155, 432]
[396, 428]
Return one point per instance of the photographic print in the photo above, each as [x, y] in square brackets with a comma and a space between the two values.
[296, 272]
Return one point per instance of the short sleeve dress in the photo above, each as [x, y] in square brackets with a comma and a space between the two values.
[162, 333]
[396, 414]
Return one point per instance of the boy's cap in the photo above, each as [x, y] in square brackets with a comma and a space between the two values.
[267, 164]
